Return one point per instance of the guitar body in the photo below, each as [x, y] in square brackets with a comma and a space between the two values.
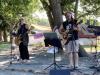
[17, 40]
[64, 39]
[63, 36]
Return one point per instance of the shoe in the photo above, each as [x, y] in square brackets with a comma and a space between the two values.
[76, 66]
[28, 61]
[24, 60]
[21, 61]
[70, 67]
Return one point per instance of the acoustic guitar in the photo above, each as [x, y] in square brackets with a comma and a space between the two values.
[17, 40]
[65, 33]
[63, 36]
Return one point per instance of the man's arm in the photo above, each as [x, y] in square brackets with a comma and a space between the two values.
[61, 29]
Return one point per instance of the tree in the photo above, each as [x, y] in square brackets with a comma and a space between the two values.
[53, 10]
[11, 10]
[89, 7]
[47, 8]
[56, 12]
[67, 5]
[76, 8]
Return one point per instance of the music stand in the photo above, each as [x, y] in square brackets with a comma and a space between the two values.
[52, 39]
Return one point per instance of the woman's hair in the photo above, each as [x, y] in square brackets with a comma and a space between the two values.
[20, 20]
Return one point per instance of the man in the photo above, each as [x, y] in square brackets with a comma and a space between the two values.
[69, 31]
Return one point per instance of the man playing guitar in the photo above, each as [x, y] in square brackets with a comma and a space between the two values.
[69, 32]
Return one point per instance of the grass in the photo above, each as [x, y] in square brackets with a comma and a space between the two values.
[91, 48]
[4, 46]
[41, 44]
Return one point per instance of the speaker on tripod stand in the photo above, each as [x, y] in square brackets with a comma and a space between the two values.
[96, 66]
[13, 46]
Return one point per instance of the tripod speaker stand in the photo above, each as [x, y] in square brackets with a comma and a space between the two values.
[12, 46]
[52, 39]
[96, 66]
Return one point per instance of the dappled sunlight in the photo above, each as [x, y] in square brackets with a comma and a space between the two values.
[91, 49]
[41, 48]
[3, 62]
[42, 28]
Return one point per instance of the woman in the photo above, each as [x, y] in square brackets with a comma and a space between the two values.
[24, 39]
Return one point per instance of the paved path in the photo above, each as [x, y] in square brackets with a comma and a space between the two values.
[38, 62]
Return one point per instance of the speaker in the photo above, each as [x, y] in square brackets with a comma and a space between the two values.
[60, 72]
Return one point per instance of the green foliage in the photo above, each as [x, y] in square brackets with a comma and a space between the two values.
[98, 23]
[40, 21]
[91, 6]
[11, 10]
[39, 44]
[67, 5]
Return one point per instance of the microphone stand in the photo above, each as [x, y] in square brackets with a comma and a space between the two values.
[73, 51]
[11, 42]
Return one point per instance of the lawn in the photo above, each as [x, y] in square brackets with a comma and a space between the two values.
[4, 46]
[92, 48]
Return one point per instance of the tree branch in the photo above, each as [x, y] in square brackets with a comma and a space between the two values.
[89, 12]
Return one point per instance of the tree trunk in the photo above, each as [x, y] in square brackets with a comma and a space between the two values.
[50, 18]
[0, 35]
[5, 35]
[76, 9]
[56, 12]
[47, 8]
